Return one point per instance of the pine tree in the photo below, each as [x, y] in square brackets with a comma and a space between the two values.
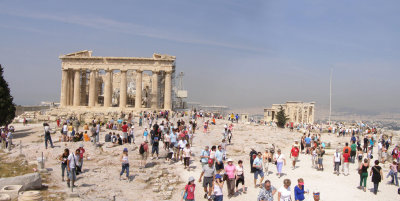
[281, 117]
[7, 107]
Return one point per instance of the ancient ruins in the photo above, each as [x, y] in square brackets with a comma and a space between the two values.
[297, 112]
[93, 83]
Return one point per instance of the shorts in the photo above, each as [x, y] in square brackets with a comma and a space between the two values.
[320, 160]
[186, 161]
[294, 159]
[169, 155]
[154, 149]
[308, 145]
[219, 166]
[258, 172]
[124, 135]
[240, 180]
[207, 181]
[144, 155]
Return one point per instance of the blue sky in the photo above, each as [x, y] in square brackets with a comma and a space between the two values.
[244, 54]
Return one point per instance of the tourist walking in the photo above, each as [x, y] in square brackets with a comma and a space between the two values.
[299, 190]
[337, 161]
[393, 173]
[267, 192]
[280, 160]
[363, 171]
[143, 151]
[204, 156]
[219, 157]
[258, 169]
[9, 143]
[63, 158]
[187, 152]
[377, 175]
[230, 171]
[346, 160]
[188, 194]
[209, 173]
[47, 136]
[267, 159]
[125, 163]
[284, 192]
[320, 155]
[240, 177]
[72, 162]
[218, 184]
[294, 154]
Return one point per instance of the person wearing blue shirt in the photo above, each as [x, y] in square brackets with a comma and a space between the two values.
[258, 166]
[145, 134]
[299, 190]
[205, 155]
[219, 164]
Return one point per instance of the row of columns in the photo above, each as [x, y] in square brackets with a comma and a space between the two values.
[71, 89]
[304, 111]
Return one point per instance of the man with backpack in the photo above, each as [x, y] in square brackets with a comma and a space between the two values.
[143, 151]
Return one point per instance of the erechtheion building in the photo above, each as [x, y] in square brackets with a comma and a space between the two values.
[297, 112]
[97, 83]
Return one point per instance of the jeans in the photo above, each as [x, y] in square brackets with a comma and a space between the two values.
[125, 167]
[219, 198]
[154, 149]
[337, 165]
[47, 138]
[97, 137]
[63, 167]
[376, 184]
[72, 174]
[394, 178]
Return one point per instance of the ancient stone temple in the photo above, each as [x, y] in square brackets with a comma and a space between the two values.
[113, 83]
[297, 112]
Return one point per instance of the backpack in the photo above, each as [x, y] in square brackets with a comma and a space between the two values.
[141, 149]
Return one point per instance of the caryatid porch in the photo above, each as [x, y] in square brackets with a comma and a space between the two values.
[85, 78]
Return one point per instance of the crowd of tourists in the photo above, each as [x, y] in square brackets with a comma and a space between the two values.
[175, 133]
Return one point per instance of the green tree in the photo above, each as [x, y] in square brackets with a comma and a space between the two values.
[7, 107]
[281, 117]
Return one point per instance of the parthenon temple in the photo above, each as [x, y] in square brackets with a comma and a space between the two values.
[297, 112]
[107, 83]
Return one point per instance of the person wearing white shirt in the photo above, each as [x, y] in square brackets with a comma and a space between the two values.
[72, 162]
[284, 192]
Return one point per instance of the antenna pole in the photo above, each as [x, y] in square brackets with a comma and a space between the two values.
[330, 97]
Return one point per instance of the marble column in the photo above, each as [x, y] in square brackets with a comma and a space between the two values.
[302, 114]
[154, 90]
[298, 115]
[108, 89]
[312, 114]
[64, 83]
[123, 90]
[138, 97]
[92, 88]
[167, 96]
[71, 87]
[83, 88]
[77, 85]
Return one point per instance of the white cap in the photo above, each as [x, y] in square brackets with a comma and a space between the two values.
[191, 178]
[229, 160]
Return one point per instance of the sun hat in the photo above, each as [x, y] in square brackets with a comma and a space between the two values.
[218, 176]
[133, 127]
[81, 145]
[125, 149]
[229, 160]
[191, 178]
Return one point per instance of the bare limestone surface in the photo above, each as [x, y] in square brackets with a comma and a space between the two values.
[165, 181]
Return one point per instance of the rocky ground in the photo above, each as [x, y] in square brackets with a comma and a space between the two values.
[165, 181]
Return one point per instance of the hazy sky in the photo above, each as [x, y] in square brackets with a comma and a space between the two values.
[243, 54]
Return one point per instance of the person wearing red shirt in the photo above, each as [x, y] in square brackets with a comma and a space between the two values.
[125, 132]
[81, 152]
[346, 156]
[189, 190]
[294, 153]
